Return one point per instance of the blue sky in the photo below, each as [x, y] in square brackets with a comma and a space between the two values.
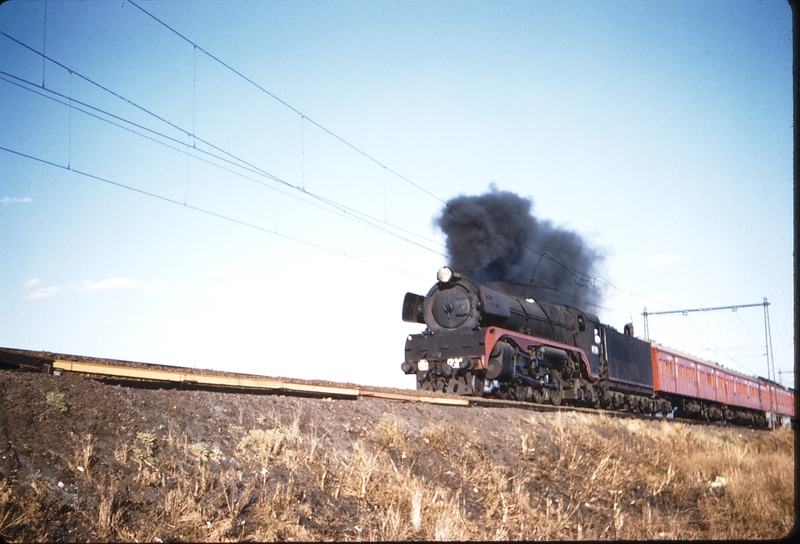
[658, 131]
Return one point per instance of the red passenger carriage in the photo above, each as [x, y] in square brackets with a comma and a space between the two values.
[704, 388]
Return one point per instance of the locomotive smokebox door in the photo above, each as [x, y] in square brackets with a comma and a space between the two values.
[452, 307]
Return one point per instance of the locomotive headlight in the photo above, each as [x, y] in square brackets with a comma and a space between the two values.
[445, 274]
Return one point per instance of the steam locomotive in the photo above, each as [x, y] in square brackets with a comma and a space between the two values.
[495, 340]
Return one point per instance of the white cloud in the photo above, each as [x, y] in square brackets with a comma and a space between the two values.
[44, 292]
[111, 284]
[664, 259]
[31, 283]
[8, 200]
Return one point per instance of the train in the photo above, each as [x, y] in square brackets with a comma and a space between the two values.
[495, 340]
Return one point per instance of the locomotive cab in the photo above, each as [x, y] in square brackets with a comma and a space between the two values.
[588, 337]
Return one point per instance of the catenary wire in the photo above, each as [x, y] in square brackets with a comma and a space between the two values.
[247, 165]
[205, 211]
[181, 147]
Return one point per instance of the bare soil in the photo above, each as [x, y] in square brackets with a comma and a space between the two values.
[82, 460]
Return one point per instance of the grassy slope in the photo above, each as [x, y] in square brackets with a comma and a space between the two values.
[87, 461]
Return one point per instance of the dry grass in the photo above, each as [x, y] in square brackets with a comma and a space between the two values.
[563, 476]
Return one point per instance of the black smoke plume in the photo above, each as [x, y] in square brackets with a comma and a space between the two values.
[495, 238]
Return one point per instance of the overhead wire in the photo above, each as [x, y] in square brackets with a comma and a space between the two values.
[719, 351]
[746, 327]
[190, 134]
[147, 111]
[362, 217]
[38, 90]
[181, 147]
[202, 210]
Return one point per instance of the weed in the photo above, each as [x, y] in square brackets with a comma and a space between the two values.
[121, 453]
[203, 452]
[106, 515]
[366, 463]
[86, 450]
[143, 451]
[57, 401]
[237, 494]
[19, 511]
[265, 443]
[438, 437]
[391, 434]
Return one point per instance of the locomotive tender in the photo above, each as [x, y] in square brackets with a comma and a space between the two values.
[494, 340]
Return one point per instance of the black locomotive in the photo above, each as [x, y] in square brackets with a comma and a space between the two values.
[493, 339]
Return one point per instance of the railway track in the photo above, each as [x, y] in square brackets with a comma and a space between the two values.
[144, 375]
